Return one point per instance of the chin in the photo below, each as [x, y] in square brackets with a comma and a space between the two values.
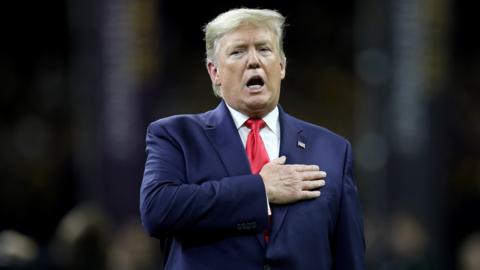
[257, 102]
[259, 109]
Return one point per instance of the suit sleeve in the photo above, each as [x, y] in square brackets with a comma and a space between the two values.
[169, 204]
[349, 242]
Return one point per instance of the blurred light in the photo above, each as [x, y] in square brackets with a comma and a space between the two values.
[16, 249]
[469, 252]
[409, 85]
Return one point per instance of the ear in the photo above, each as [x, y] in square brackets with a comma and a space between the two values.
[213, 72]
[283, 69]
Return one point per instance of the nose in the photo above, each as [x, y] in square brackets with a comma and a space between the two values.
[253, 61]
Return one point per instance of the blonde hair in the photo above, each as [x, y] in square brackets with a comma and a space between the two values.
[233, 19]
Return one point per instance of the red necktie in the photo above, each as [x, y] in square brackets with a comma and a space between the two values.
[257, 154]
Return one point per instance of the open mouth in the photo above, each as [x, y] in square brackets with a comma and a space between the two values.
[256, 82]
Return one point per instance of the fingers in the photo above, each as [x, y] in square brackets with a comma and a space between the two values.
[304, 168]
[306, 195]
[313, 175]
[296, 167]
[280, 160]
[287, 183]
[309, 185]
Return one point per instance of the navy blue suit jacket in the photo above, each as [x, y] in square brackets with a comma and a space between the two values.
[200, 199]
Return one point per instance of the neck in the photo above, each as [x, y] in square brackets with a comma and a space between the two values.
[259, 113]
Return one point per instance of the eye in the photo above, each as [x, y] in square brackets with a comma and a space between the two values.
[236, 52]
[265, 50]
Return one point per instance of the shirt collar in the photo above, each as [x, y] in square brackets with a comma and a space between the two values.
[271, 119]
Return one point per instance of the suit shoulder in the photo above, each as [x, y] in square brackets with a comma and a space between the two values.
[179, 121]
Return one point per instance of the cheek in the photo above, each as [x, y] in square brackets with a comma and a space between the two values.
[231, 73]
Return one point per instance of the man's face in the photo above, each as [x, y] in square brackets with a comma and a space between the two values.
[248, 70]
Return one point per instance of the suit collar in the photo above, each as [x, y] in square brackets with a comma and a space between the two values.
[221, 126]
[271, 119]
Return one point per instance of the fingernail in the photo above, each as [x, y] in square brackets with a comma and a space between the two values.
[322, 182]
[323, 173]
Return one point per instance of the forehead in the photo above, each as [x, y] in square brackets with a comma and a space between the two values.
[248, 34]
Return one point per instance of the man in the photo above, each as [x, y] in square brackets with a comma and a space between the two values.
[240, 187]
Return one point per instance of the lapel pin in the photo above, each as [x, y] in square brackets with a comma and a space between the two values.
[301, 144]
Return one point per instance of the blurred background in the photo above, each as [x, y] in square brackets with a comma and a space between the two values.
[81, 80]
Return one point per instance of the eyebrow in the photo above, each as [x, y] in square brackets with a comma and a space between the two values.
[241, 43]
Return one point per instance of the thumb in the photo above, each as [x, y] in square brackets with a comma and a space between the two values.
[279, 161]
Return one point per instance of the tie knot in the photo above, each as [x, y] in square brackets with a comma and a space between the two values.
[255, 123]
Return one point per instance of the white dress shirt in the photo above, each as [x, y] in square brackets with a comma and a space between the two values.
[270, 133]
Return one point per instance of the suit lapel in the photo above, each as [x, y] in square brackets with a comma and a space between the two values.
[292, 145]
[223, 136]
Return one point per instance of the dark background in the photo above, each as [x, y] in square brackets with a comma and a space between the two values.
[81, 80]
